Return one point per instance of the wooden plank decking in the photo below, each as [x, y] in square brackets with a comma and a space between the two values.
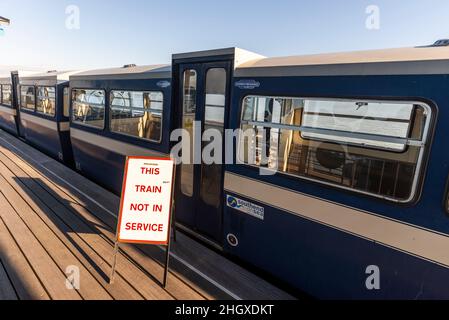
[51, 218]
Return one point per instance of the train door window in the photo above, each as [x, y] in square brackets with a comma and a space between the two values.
[214, 119]
[189, 111]
[369, 147]
[66, 103]
[88, 107]
[137, 114]
[27, 97]
[6, 95]
[46, 101]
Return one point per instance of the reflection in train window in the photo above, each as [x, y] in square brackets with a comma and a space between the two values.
[27, 97]
[214, 119]
[6, 95]
[369, 147]
[188, 120]
[88, 107]
[137, 114]
[383, 119]
[46, 100]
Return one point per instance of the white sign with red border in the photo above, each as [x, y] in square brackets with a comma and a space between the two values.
[146, 204]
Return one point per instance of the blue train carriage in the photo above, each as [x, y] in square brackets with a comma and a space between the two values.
[116, 113]
[9, 112]
[44, 113]
[340, 190]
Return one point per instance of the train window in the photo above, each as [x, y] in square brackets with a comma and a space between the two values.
[27, 97]
[357, 117]
[88, 107]
[214, 119]
[66, 103]
[6, 95]
[46, 100]
[189, 112]
[137, 114]
[367, 146]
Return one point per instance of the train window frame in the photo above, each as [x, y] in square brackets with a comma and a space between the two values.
[48, 115]
[130, 135]
[86, 124]
[423, 144]
[21, 101]
[2, 102]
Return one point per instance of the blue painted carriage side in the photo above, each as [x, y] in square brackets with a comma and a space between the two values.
[99, 164]
[8, 122]
[328, 263]
[98, 161]
[35, 133]
[428, 210]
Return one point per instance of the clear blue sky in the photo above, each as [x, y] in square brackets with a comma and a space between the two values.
[113, 33]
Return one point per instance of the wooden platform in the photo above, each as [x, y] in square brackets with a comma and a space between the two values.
[52, 219]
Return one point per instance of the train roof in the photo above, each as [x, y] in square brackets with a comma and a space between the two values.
[240, 56]
[49, 78]
[131, 72]
[5, 77]
[402, 61]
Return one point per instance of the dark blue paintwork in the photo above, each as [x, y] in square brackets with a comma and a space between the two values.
[100, 164]
[323, 261]
[8, 122]
[328, 263]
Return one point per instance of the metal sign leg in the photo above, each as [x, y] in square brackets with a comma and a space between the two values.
[114, 263]
[174, 222]
[167, 254]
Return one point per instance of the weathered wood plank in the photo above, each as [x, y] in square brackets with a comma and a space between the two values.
[7, 291]
[48, 272]
[23, 278]
[61, 255]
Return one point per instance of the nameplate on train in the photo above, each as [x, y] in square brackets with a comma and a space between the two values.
[145, 209]
[247, 84]
[246, 207]
[163, 84]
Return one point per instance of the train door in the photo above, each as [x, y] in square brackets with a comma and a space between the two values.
[203, 108]
[16, 100]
